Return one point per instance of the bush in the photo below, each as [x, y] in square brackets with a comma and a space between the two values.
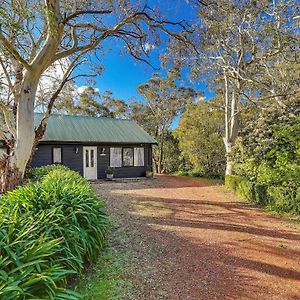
[232, 182]
[246, 190]
[199, 173]
[260, 193]
[284, 199]
[196, 173]
[277, 198]
[182, 173]
[48, 229]
[38, 173]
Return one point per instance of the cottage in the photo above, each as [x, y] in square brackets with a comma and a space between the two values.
[90, 145]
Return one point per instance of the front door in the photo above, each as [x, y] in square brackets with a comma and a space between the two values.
[90, 162]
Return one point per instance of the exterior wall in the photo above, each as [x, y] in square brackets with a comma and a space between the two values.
[71, 159]
[74, 161]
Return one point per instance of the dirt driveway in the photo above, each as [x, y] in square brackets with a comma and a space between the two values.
[193, 240]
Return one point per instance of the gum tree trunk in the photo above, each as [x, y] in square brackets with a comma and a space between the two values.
[231, 123]
[14, 166]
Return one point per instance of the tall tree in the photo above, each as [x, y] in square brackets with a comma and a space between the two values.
[34, 35]
[164, 100]
[199, 133]
[246, 50]
[90, 102]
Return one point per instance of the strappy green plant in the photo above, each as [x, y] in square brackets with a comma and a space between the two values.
[48, 229]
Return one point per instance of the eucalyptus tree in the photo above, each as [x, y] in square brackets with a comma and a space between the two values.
[90, 102]
[246, 50]
[35, 35]
[199, 135]
[164, 100]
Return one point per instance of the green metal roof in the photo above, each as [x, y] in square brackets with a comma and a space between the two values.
[93, 129]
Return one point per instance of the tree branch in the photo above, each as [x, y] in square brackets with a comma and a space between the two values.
[6, 114]
[84, 12]
[11, 49]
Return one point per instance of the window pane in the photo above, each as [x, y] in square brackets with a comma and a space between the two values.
[57, 156]
[139, 157]
[127, 157]
[92, 158]
[87, 158]
[116, 157]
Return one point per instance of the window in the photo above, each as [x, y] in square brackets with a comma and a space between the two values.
[139, 157]
[116, 157]
[92, 159]
[87, 158]
[127, 157]
[56, 152]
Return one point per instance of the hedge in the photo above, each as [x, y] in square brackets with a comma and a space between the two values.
[277, 198]
[49, 228]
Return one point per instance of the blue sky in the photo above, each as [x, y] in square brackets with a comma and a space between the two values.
[123, 74]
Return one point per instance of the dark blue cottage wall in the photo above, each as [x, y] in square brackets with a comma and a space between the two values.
[71, 159]
[74, 161]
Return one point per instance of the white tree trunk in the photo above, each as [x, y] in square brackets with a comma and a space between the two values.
[231, 123]
[25, 132]
[228, 147]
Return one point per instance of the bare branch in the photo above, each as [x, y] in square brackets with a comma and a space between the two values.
[84, 12]
[6, 114]
[13, 51]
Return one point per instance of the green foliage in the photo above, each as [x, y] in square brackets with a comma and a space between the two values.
[107, 279]
[39, 173]
[164, 101]
[200, 138]
[232, 182]
[284, 199]
[267, 154]
[182, 173]
[91, 103]
[110, 170]
[48, 229]
[172, 158]
[277, 198]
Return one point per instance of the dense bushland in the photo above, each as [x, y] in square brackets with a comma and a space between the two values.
[267, 161]
[49, 228]
[200, 140]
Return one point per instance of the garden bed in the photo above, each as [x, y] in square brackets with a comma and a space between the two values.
[49, 228]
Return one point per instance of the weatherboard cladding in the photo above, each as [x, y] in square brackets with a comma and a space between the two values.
[73, 159]
[93, 129]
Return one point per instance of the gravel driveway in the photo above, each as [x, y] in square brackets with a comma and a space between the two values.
[191, 239]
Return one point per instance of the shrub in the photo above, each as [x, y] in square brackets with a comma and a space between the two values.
[232, 182]
[284, 199]
[38, 173]
[246, 190]
[277, 198]
[196, 173]
[261, 196]
[182, 173]
[48, 229]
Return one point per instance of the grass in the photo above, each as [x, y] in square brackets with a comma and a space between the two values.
[109, 277]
